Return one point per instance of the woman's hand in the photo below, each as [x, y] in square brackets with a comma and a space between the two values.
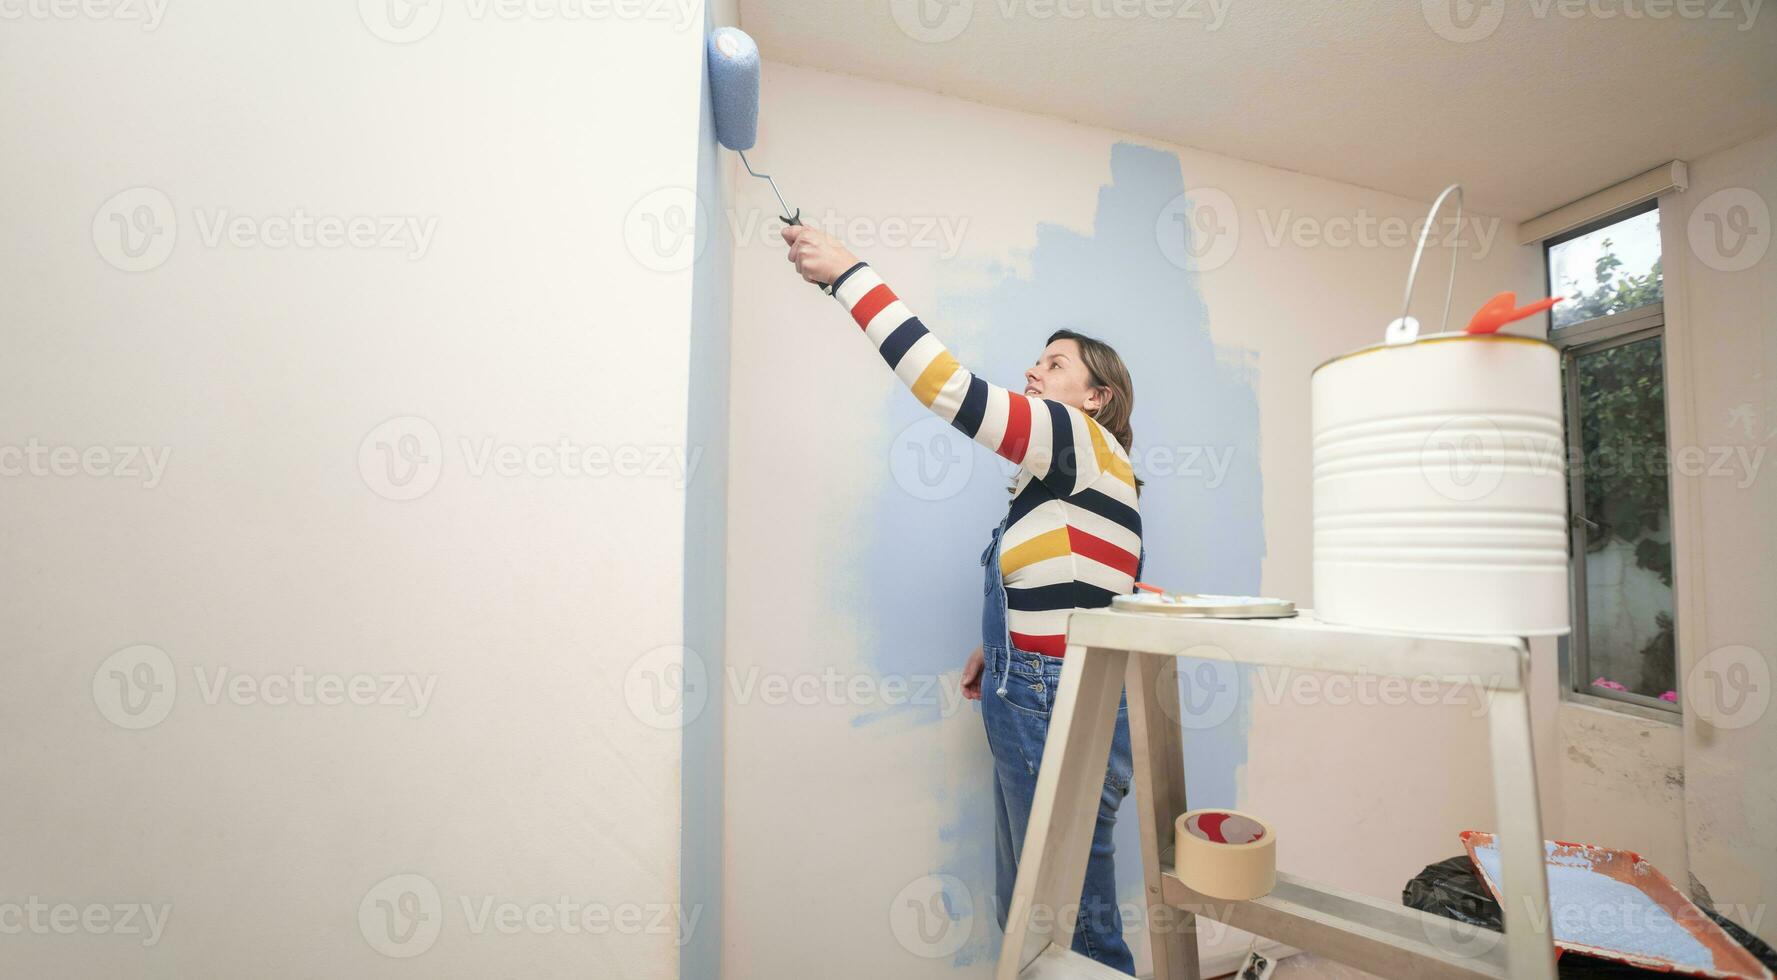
[817, 256]
[972, 674]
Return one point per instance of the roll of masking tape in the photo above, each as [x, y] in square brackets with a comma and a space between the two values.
[1226, 854]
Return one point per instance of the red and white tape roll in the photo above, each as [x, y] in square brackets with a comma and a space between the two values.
[1226, 854]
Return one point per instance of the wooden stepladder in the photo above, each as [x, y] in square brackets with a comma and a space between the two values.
[1108, 648]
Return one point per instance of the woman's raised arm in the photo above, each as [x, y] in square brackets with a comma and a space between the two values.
[1058, 443]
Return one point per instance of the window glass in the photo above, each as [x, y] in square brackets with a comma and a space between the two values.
[1607, 270]
[1628, 528]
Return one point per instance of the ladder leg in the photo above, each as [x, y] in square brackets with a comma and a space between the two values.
[1064, 810]
[1530, 952]
[1155, 738]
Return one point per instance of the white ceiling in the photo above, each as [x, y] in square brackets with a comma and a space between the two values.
[1528, 107]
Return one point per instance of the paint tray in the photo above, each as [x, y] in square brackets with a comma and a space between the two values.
[1204, 606]
[1613, 905]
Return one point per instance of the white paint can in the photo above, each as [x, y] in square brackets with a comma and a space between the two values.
[1440, 494]
[1440, 485]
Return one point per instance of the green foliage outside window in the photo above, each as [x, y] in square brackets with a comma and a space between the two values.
[1612, 294]
[1623, 439]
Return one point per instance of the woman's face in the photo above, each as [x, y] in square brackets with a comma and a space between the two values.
[1061, 375]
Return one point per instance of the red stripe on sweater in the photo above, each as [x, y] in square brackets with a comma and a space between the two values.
[872, 304]
[1017, 439]
[1053, 645]
[1099, 550]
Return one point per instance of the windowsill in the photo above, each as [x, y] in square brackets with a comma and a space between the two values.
[1673, 718]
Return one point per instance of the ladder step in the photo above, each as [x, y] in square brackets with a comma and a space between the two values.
[1055, 963]
[1383, 938]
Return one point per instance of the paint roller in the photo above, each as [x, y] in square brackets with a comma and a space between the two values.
[734, 101]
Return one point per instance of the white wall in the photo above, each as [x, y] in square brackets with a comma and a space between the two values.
[269, 545]
[843, 810]
[1722, 349]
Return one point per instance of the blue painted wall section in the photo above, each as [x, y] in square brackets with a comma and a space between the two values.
[705, 554]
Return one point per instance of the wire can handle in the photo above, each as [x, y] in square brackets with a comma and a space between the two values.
[1405, 329]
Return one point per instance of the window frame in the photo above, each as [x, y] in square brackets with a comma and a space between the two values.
[1588, 337]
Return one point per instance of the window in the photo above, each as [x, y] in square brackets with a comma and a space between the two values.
[1611, 333]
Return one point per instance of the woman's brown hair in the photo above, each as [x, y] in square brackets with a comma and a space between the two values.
[1107, 369]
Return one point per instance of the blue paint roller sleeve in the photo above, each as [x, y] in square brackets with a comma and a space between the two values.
[734, 87]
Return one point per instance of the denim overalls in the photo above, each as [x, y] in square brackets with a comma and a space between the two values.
[1018, 691]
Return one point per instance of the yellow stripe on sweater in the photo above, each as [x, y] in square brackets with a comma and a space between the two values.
[1049, 544]
[1108, 460]
[932, 379]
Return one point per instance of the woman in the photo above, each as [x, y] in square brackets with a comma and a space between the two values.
[1070, 539]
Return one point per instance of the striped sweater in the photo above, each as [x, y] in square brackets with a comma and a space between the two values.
[1073, 535]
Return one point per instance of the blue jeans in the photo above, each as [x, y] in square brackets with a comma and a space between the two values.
[1018, 691]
